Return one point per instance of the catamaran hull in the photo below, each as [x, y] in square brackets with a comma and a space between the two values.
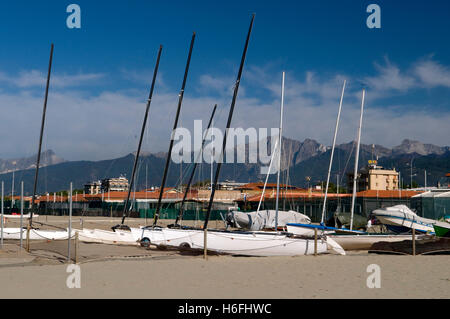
[235, 243]
[365, 242]
[305, 231]
[85, 235]
[35, 234]
[118, 237]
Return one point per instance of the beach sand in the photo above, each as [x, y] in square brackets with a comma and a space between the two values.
[109, 271]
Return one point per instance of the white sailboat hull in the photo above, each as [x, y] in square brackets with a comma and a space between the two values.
[35, 234]
[118, 237]
[235, 243]
[304, 231]
[365, 242]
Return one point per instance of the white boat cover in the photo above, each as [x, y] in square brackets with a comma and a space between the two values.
[264, 219]
[401, 215]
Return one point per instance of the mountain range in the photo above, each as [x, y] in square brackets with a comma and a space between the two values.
[299, 161]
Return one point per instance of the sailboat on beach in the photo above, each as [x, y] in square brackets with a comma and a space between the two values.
[312, 229]
[267, 218]
[35, 233]
[248, 243]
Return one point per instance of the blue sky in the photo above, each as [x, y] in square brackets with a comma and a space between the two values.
[102, 71]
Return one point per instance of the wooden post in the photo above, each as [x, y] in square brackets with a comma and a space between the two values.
[315, 241]
[414, 241]
[205, 248]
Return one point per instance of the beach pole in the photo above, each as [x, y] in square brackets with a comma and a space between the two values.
[205, 248]
[70, 224]
[414, 241]
[315, 241]
[76, 248]
[21, 215]
[1, 239]
[28, 239]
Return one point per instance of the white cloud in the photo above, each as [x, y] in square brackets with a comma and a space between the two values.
[35, 78]
[107, 125]
[432, 74]
[389, 77]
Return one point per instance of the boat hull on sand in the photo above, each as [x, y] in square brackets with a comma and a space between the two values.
[117, 237]
[120, 237]
[365, 242]
[234, 243]
[442, 229]
[35, 234]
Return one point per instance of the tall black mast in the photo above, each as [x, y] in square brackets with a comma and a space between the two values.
[33, 204]
[180, 214]
[144, 123]
[230, 116]
[169, 154]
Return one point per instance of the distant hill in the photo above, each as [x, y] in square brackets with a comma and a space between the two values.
[299, 160]
[47, 158]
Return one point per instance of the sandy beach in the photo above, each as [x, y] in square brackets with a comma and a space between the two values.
[109, 271]
[235, 277]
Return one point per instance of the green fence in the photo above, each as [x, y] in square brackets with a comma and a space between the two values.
[172, 213]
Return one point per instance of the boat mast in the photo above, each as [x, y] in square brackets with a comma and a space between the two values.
[275, 149]
[33, 203]
[230, 116]
[355, 175]
[144, 123]
[280, 136]
[175, 125]
[180, 214]
[332, 154]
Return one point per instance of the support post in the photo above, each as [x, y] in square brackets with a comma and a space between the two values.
[70, 224]
[205, 244]
[76, 248]
[28, 238]
[21, 215]
[315, 241]
[414, 241]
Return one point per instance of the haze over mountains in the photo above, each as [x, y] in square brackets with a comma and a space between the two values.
[47, 158]
[299, 160]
